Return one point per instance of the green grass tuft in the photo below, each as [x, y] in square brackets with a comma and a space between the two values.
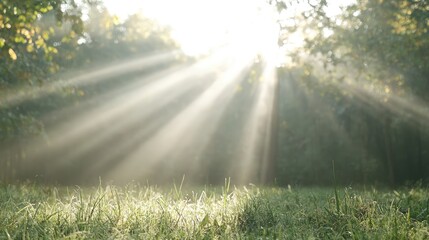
[135, 212]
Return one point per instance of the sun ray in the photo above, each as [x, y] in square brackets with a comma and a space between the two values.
[159, 112]
[409, 108]
[115, 69]
[188, 123]
[256, 130]
[96, 127]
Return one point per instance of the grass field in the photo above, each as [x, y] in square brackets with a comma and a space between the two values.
[141, 212]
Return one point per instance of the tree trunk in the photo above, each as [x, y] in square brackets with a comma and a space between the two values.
[388, 150]
[420, 167]
[366, 149]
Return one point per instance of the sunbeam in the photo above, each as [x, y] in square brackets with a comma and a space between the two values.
[91, 77]
[147, 103]
[120, 101]
[410, 108]
[156, 117]
[199, 118]
[254, 153]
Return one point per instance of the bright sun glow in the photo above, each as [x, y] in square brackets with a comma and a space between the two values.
[201, 26]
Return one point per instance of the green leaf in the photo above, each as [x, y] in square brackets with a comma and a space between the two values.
[12, 54]
[205, 221]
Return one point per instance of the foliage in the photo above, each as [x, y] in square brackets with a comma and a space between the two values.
[381, 38]
[360, 96]
[44, 44]
[22, 42]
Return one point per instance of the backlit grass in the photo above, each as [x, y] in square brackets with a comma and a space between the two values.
[146, 212]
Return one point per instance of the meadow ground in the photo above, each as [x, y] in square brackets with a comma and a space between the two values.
[30, 211]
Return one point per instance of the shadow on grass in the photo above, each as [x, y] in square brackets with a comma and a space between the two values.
[257, 217]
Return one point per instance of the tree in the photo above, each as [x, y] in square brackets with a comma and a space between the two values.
[369, 65]
[23, 42]
[43, 42]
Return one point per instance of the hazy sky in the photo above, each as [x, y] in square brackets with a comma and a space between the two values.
[199, 25]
